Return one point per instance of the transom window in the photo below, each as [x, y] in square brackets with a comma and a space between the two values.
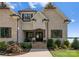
[27, 17]
[5, 32]
[56, 33]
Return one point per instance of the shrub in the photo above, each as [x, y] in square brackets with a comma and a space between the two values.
[3, 46]
[64, 47]
[56, 47]
[26, 45]
[14, 48]
[66, 43]
[10, 42]
[50, 43]
[75, 44]
[27, 40]
[58, 43]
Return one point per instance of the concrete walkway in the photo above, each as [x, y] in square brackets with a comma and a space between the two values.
[37, 53]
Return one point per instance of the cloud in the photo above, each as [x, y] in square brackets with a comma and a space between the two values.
[12, 6]
[72, 20]
[31, 4]
[43, 4]
[34, 4]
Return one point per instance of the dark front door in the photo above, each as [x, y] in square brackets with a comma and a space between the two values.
[39, 36]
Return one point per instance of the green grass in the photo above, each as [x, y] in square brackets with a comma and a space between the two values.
[65, 53]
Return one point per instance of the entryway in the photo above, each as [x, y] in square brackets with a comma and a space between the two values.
[39, 36]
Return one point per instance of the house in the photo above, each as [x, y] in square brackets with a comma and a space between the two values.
[31, 25]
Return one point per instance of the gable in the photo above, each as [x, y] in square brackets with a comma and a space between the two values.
[50, 7]
[38, 23]
[39, 15]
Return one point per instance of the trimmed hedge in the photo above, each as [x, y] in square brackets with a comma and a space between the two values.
[50, 44]
[26, 45]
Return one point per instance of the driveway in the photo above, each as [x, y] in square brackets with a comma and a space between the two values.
[37, 53]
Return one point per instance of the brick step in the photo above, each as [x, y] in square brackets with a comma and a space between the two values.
[38, 45]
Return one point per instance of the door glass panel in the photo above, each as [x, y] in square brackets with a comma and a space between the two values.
[39, 36]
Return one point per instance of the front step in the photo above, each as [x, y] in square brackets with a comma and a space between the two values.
[39, 45]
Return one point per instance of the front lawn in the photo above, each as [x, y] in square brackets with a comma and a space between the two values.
[65, 53]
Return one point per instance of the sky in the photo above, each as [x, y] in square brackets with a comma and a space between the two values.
[69, 9]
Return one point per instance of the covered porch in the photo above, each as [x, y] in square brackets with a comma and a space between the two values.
[37, 35]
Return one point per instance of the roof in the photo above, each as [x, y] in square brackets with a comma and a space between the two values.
[49, 6]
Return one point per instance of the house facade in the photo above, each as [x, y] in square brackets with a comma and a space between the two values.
[32, 25]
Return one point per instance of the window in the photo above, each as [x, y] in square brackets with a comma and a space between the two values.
[29, 34]
[56, 33]
[5, 32]
[27, 17]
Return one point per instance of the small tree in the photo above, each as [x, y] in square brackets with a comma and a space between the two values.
[50, 43]
[58, 43]
[75, 44]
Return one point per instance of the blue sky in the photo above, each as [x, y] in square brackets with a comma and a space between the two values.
[69, 9]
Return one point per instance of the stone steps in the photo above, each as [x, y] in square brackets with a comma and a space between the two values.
[39, 45]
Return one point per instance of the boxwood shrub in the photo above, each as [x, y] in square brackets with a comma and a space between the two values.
[26, 45]
[50, 44]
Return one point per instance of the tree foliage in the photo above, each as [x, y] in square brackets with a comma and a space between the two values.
[75, 44]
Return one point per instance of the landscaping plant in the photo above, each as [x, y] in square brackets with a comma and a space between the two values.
[10, 42]
[66, 43]
[75, 44]
[58, 43]
[50, 44]
[14, 48]
[3, 46]
[26, 45]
